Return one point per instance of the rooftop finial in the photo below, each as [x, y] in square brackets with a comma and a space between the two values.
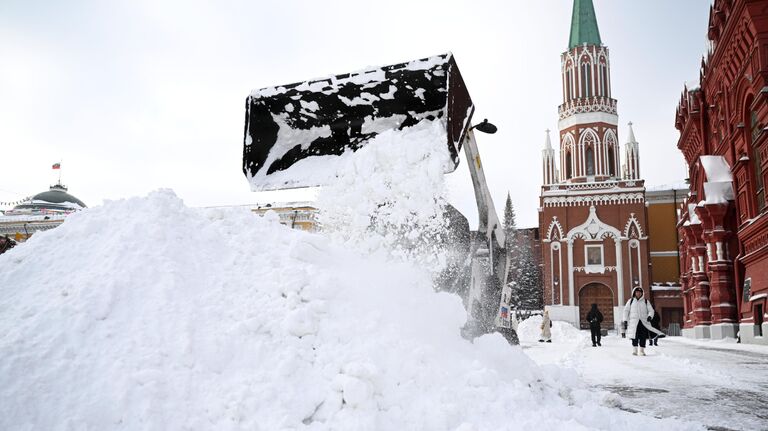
[548, 143]
[631, 137]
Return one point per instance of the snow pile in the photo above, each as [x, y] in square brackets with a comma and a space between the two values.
[529, 330]
[391, 196]
[146, 314]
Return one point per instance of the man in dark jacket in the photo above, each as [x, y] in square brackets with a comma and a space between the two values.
[656, 323]
[595, 318]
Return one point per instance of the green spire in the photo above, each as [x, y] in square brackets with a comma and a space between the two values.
[584, 24]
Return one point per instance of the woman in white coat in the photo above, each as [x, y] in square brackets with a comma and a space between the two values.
[637, 320]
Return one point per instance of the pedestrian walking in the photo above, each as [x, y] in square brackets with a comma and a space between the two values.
[595, 318]
[656, 324]
[546, 328]
[637, 321]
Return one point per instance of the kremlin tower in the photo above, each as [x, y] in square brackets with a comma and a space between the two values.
[592, 207]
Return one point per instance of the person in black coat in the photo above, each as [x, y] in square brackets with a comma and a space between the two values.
[595, 318]
[656, 323]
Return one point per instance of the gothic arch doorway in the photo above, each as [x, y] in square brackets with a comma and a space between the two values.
[600, 294]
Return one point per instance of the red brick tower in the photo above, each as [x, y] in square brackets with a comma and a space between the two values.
[592, 216]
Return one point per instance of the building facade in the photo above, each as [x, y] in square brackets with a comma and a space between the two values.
[296, 215]
[663, 211]
[592, 215]
[723, 136]
[43, 211]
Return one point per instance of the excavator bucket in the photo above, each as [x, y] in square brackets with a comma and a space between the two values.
[294, 134]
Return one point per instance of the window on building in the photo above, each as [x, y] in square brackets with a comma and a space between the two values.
[586, 80]
[758, 318]
[611, 162]
[594, 255]
[568, 166]
[568, 85]
[603, 80]
[758, 162]
[590, 161]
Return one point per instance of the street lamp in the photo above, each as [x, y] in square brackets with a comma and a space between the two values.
[485, 127]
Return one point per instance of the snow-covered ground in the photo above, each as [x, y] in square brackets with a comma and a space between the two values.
[721, 385]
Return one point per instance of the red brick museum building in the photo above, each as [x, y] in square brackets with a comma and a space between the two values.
[724, 139]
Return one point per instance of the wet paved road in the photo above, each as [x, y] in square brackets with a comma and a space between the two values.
[722, 388]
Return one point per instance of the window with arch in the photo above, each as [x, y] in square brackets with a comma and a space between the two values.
[611, 162]
[603, 80]
[754, 132]
[568, 75]
[586, 80]
[568, 165]
[610, 144]
[590, 161]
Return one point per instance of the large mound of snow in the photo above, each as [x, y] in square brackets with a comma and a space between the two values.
[529, 330]
[146, 314]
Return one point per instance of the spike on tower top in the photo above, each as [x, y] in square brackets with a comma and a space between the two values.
[584, 25]
[631, 137]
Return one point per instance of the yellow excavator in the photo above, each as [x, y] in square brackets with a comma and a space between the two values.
[291, 130]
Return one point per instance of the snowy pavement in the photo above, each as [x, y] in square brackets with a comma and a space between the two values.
[720, 385]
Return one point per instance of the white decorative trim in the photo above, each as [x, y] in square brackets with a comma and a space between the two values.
[605, 199]
[593, 228]
[674, 253]
[604, 269]
[555, 247]
[588, 118]
[633, 220]
[635, 244]
[555, 224]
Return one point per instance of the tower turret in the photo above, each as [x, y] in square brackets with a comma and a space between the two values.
[549, 165]
[631, 156]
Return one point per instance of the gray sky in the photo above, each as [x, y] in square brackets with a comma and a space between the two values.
[136, 95]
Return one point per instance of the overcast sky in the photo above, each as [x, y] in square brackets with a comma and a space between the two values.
[136, 95]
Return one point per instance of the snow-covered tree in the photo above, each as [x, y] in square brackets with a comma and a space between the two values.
[523, 274]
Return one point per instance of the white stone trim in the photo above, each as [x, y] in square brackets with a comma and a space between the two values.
[670, 253]
[555, 247]
[552, 225]
[633, 220]
[602, 199]
[587, 118]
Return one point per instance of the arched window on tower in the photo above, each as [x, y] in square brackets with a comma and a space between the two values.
[568, 84]
[586, 80]
[603, 80]
[590, 162]
[611, 161]
[568, 166]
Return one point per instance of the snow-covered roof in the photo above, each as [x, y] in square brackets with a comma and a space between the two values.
[718, 188]
[692, 217]
[682, 185]
[716, 168]
[666, 286]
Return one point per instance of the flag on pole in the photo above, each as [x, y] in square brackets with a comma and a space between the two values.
[56, 166]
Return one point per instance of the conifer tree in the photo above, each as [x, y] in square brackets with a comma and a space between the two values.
[523, 274]
[512, 253]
